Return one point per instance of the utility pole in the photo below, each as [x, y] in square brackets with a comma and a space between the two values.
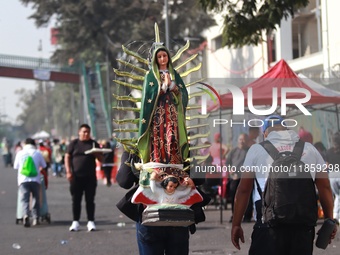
[108, 86]
[167, 25]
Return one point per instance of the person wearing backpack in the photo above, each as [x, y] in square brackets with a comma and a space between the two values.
[29, 162]
[285, 202]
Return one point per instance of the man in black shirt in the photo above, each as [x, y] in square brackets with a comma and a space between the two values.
[81, 173]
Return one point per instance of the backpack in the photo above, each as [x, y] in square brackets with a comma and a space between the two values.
[58, 157]
[46, 155]
[289, 196]
[28, 167]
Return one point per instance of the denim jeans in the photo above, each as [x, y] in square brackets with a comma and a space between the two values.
[162, 240]
[26, 189]
[57, 168]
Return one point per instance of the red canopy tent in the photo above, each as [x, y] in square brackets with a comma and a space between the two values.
[280, 76]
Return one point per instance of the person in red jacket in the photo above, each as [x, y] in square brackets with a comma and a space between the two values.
[47, 154]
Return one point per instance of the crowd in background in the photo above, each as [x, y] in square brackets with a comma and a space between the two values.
[224, 185]
[53, 151]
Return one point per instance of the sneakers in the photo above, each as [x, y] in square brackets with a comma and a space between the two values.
[91, 226]
[74, 226]
[26, 221]
[35, 222]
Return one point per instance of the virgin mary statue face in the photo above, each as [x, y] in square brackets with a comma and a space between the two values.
[162, 59]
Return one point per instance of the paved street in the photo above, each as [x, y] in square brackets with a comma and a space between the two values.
[116, 233]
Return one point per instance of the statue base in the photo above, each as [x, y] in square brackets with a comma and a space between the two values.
[168, 215]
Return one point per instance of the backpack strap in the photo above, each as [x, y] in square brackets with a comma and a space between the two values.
[259, 190]
[298, 148]
[270, 149]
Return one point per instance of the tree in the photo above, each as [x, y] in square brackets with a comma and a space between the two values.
[244, 21]
[48, 107]
[90, 29]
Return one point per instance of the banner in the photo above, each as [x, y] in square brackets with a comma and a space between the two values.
[40, 74]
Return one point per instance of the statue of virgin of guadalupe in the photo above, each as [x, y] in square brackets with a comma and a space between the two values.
[165, 186]
[162, 129]
[163, 143]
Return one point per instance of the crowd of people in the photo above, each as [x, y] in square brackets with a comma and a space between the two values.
[154, 172]
[162, 140]
[71, 160]
[63, 158]
[245, 190]
[37, 160]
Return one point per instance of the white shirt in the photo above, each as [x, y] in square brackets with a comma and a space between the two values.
[283, 141]
[38, 159]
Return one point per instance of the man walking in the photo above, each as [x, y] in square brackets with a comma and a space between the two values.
[81, 173]
[235, 161]
[283, 238]
[29, 161]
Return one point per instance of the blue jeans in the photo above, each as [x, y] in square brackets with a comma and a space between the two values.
[162, 240]
[25, 189]
[57, 168]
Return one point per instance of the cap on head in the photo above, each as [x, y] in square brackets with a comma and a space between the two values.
[271, 121]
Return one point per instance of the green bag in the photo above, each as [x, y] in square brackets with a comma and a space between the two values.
[28, 168]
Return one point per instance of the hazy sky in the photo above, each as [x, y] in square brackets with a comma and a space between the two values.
[20, 37]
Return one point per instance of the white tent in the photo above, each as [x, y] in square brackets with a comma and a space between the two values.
[41, 135]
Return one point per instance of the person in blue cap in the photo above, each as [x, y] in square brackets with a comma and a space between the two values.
[272, 121]
[266, 239]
